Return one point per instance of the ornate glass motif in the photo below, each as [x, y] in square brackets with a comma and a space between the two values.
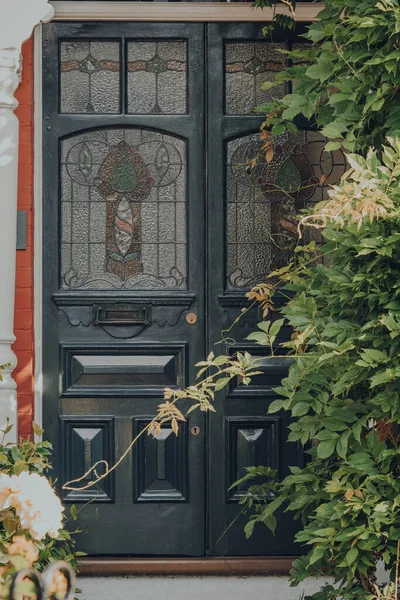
[263, 202]
[247, 67]
[157, 77]
[90, 77]
[123, 208]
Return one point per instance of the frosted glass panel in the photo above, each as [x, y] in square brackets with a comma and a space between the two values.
[90, 77]
[157, 77]
[247, 67]
[123, 208]
[263, 201]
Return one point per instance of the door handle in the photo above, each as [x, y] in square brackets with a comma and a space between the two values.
[121, 314]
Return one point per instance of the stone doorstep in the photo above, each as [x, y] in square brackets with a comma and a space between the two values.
[193, 588]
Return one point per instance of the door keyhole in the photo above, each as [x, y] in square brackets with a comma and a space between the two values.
[195, 430]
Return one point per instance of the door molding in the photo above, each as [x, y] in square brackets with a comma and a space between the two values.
[38, 226]
[176, 11]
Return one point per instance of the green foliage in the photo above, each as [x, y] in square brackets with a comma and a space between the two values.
[278, 19]
[343, 392]
[349, 77]
[342, 387]
[34, 457]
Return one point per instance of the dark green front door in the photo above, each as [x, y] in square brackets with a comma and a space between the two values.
[154, 228]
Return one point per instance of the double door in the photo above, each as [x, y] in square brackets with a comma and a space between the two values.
[155, 225]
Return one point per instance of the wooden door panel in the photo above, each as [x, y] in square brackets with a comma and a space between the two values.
[242, 228]
[108, 370]
[124, 255]
[86, 441]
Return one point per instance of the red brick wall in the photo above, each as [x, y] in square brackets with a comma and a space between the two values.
[23, 328]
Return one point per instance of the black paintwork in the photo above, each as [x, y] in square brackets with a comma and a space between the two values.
[168, 497]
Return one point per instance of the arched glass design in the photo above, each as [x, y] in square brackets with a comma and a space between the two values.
[123, 205]
[264, 199]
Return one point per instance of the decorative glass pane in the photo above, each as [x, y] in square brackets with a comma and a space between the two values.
[247, 67]
[264, 200]
[157, 77]
[123, 204]
[90, 77]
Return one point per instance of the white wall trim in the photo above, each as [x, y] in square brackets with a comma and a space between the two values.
[38, 228]
[176, 11]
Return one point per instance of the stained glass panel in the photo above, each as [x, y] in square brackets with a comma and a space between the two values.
[123, 204]
[90, 77]
[264, 201]
[157, 77]
[247, 67]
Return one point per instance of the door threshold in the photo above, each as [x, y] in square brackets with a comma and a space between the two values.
[229, 565]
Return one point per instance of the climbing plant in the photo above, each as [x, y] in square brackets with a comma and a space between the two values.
[347, 76]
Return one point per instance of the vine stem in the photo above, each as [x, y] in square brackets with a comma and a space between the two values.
[93, 469]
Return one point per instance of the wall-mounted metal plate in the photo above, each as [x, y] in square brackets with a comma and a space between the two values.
[21, 230]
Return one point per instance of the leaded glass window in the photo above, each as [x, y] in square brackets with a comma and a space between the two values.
[264, 201]
[247, 67]
[157, 77]
[123, 205]
[90, 77]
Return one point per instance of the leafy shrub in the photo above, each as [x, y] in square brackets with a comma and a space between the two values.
[30, 457]
[348, 78]
[343, 385]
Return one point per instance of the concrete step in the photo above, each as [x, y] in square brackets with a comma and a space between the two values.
[194, 588]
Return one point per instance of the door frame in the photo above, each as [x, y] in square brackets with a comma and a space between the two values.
[147, 11]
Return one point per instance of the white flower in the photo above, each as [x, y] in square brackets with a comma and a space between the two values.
[10, 489]
[5, 491]
[34, 501]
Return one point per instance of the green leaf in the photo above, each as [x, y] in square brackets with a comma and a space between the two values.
[331, 146]
[300, 409]
[276, 327]
[259, 337]
[333, 486]
[351, 556]
[249, 528]
[221, 383]
[326, 448]
[334, 130]
[276, 406]
[37, 429]
[342, 444]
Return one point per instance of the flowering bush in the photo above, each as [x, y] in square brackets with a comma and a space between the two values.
[31, 516]
[30, 499]
[22, 554]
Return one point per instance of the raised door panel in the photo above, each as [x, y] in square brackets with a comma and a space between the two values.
[109, 370]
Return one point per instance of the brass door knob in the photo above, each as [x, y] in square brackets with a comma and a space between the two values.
[192, 318]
